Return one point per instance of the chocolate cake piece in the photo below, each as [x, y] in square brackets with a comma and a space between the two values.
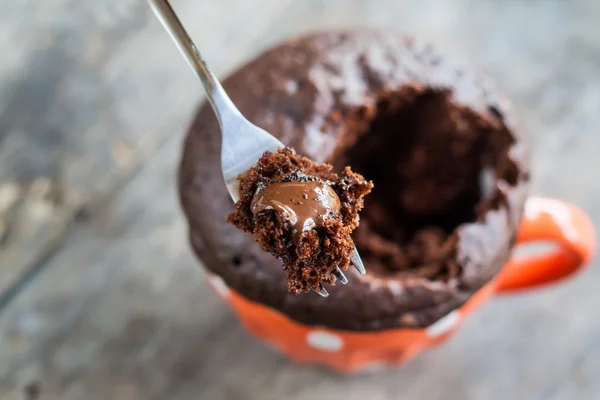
[302, 213]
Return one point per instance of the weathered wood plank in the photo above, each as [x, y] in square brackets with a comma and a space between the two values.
[120, 311]
[85, 100]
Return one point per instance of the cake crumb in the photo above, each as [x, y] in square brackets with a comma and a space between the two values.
[302, 213]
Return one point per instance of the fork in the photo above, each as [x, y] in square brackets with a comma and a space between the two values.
[243, 143]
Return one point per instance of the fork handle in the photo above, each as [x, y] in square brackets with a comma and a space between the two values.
[218, 98]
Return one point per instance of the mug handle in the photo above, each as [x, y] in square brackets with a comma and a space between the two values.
[552, 220]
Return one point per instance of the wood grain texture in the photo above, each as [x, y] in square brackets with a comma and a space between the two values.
[120, 310]
[85, 99]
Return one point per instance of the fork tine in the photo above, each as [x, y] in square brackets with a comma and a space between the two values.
[322, 292]
[357, 262]
[340, 275]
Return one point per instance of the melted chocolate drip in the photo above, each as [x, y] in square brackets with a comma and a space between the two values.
[304, 203]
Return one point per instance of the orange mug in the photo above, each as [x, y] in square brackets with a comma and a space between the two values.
[351, 351]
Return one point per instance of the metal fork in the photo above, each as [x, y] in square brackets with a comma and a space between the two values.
[243, 143]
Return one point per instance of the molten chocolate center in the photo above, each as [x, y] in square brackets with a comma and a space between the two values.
[305, 204]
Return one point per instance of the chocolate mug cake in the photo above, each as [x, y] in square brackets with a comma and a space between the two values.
[450, 170]
[448, 163]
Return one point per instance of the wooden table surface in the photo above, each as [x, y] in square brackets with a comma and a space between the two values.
[100, 297]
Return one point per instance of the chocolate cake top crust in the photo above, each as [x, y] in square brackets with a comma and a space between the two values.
[302, 213]
[449, 165]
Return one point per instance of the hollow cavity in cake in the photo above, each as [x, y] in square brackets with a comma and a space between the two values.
[436, 166]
